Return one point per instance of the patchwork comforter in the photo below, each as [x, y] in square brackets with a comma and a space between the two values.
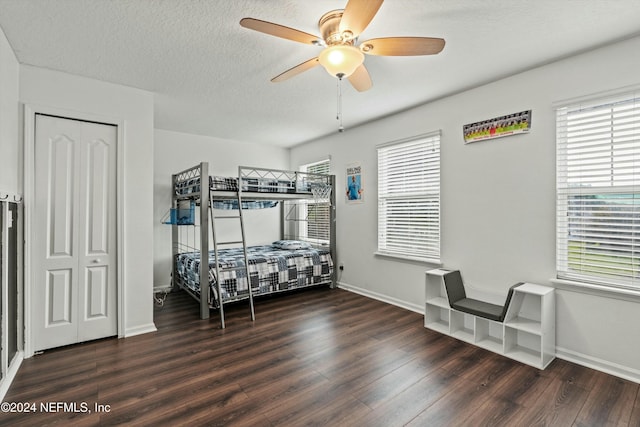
[270, 269]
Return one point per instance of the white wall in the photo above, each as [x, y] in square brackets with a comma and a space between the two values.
[498, 202]
[10, 173]
[135, 107]
[175, 152]
[10, 146]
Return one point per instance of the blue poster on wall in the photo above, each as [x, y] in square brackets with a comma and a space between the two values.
[354, 188]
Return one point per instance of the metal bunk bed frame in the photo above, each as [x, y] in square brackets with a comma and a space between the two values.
[201, 193]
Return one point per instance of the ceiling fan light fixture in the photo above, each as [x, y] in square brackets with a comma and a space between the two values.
[341, 60]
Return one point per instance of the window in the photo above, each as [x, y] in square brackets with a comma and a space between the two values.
[409, 198]
[317, 224]
[598, 192]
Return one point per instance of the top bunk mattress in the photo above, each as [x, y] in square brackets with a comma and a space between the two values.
[258, 185]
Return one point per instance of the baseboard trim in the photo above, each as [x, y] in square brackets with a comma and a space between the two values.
[5, 383]
[139, 330]
[606, 366]
[381, 297]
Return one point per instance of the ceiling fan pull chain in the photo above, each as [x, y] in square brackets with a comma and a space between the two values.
[339, 115]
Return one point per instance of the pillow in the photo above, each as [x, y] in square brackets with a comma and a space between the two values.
[291, 244]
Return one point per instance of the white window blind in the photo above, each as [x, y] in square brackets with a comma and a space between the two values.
[317, 214]
[598, 192]
[409, 198]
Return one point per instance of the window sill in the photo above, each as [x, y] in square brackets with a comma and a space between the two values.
[431, 261]
[597, 290]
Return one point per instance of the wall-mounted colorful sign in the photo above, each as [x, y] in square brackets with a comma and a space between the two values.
[511, 124]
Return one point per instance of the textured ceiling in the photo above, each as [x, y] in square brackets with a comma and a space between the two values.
[212, 77]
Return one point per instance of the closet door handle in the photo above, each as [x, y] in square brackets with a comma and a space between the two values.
[95, 261]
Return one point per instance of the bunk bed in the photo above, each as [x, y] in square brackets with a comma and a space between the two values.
[289, 263]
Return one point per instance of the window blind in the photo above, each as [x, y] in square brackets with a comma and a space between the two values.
[409, 198]
[317, 214]
[598, 192]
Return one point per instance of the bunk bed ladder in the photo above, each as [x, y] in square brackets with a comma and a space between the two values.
[216, 243]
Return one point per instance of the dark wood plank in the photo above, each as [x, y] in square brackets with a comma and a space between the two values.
[635, 413]
[524, 385]
[557, 406]
[460, 403]
[610, 402]
[325, 404]
[494, 412]
[479, 372]
[400, 409]
[316, 357]
[386, 387]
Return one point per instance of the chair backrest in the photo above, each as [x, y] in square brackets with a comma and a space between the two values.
[454, 286]
[508, 300]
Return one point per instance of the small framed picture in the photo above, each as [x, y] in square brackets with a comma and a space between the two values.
[511, 124]
[354, 188]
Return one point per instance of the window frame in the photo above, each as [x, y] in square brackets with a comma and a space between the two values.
[396, 210]
[582, 188]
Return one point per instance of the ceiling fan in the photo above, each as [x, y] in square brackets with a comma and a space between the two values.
[342, 56]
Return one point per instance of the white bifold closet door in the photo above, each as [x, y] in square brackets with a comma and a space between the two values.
[74, 259]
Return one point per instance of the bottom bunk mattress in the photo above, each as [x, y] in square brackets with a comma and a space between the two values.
[271, 270]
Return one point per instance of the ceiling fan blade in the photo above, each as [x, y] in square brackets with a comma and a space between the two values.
[360, 79]
[402, 46]
[307, 65]
[280, 31]
[358, 14]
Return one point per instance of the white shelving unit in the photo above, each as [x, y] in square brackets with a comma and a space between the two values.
[437, 311]
[528, 331]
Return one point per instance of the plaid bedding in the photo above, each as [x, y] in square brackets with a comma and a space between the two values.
[251, 204]
[223, 183]
[270, 269]
[231, 184]
[260, 185]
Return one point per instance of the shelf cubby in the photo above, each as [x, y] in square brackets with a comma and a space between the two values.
[462, 326]
[436, 318]
[489, 335]
[523, 346]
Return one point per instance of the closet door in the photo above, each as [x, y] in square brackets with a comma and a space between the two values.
[74, 240]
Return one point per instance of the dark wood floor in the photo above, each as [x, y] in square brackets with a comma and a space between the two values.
[318, 357]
